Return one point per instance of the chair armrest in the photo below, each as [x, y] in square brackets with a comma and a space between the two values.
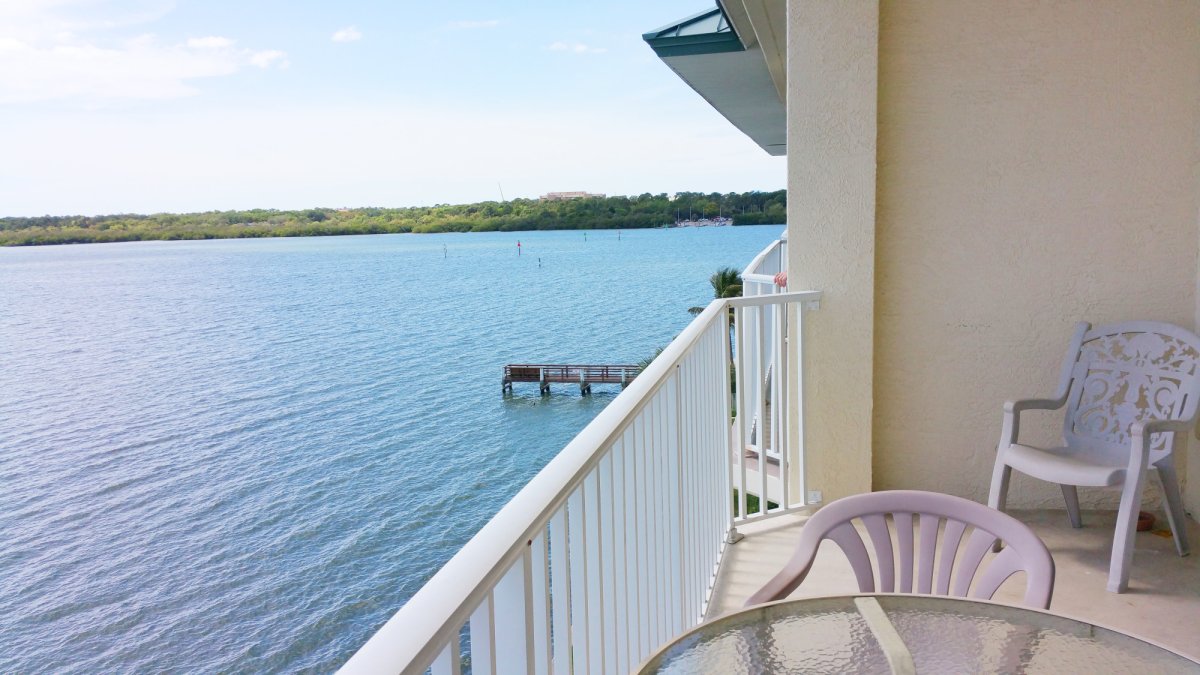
[1139, 436]
[1033, 404]
[1012, 415]
[1159, 426]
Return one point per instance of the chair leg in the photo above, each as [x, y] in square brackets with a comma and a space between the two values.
[1127, 515]
[1174, 504]
[998, 495]
[1071, 496]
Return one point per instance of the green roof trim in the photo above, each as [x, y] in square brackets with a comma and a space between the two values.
[708, 32]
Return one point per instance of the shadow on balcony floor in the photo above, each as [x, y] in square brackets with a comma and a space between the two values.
[1162, 604]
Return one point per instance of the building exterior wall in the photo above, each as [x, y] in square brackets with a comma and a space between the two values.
[563, 196]
[831, 229]
[1038, 166]
[1191, 471]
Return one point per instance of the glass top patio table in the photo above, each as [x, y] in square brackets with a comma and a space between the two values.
[907, 633]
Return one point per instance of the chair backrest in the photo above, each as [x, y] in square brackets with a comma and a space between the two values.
[1023, 551]
[1125, 373]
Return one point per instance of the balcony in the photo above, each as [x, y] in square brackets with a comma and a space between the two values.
[678, 501]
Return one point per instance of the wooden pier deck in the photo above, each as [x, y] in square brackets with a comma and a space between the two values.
[583, 375]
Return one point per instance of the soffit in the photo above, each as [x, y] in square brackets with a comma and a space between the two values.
[729, 70]
[766, 21]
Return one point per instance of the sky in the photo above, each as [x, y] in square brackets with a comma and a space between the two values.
[147, 106]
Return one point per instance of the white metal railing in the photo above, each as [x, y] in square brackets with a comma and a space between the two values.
[613, 548]
[759, 276]
[765, 424]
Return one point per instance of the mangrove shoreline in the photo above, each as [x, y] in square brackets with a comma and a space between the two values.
[593, 213]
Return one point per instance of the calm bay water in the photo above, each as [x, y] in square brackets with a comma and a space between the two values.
[245, 455]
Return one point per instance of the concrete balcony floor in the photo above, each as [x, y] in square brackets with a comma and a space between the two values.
[1162, 604]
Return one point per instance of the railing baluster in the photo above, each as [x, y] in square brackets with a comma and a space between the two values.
[682, 503]
[704, 447]
[594, 573]
[798, 453]
[650, 520]
[632, 522]
[717, 428]
[560, 600]
[685, 491]
[781, 436]
[670, 507]
[607, 561]
[643, 487]
[689, 503]
[695, 485]
[483, 638]
[539, 585]
[620, 527]
[760, 393]
[727, 427]
[675, 483]
[512, 645]
[579, 599]
[663, 521]
[700, 394]
[448, 662]
[526, 566]
[714, 457]
[713, 448]
[742, 412]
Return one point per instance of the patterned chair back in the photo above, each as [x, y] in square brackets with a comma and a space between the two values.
[1131, 372]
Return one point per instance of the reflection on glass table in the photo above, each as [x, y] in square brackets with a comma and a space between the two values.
[897, 633]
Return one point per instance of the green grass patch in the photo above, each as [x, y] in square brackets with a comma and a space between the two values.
[751, 504]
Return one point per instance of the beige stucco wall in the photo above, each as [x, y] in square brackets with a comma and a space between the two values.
[1037, 167]
[1191, 473]
[831, 229]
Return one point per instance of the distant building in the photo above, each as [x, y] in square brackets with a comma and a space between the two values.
[561, 196]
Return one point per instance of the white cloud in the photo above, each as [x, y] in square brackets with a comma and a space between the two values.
[575, 48]
[31, 20]
[210, 42]
[468, 25]
[347, 34]
[268, 58]
[46, 53]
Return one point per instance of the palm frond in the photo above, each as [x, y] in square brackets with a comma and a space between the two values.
[726, 283]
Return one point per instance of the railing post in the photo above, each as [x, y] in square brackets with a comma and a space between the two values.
[782, 415]
[679, 525]
[735, 449]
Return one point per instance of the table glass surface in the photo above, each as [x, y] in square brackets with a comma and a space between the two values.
[943, 635]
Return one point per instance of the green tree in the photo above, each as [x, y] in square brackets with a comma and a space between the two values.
[726, 283]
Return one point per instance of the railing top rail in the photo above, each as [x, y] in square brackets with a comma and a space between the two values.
[760, 300]
[758, 278]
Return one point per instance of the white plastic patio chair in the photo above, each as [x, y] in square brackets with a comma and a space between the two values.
[1023, 551]
[1128, 389]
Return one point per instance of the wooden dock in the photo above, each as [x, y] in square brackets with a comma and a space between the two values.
[583, 375]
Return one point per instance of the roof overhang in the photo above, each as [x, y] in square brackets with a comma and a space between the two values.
[719, 55]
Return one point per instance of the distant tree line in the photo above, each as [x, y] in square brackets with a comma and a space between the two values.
[645, 210]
